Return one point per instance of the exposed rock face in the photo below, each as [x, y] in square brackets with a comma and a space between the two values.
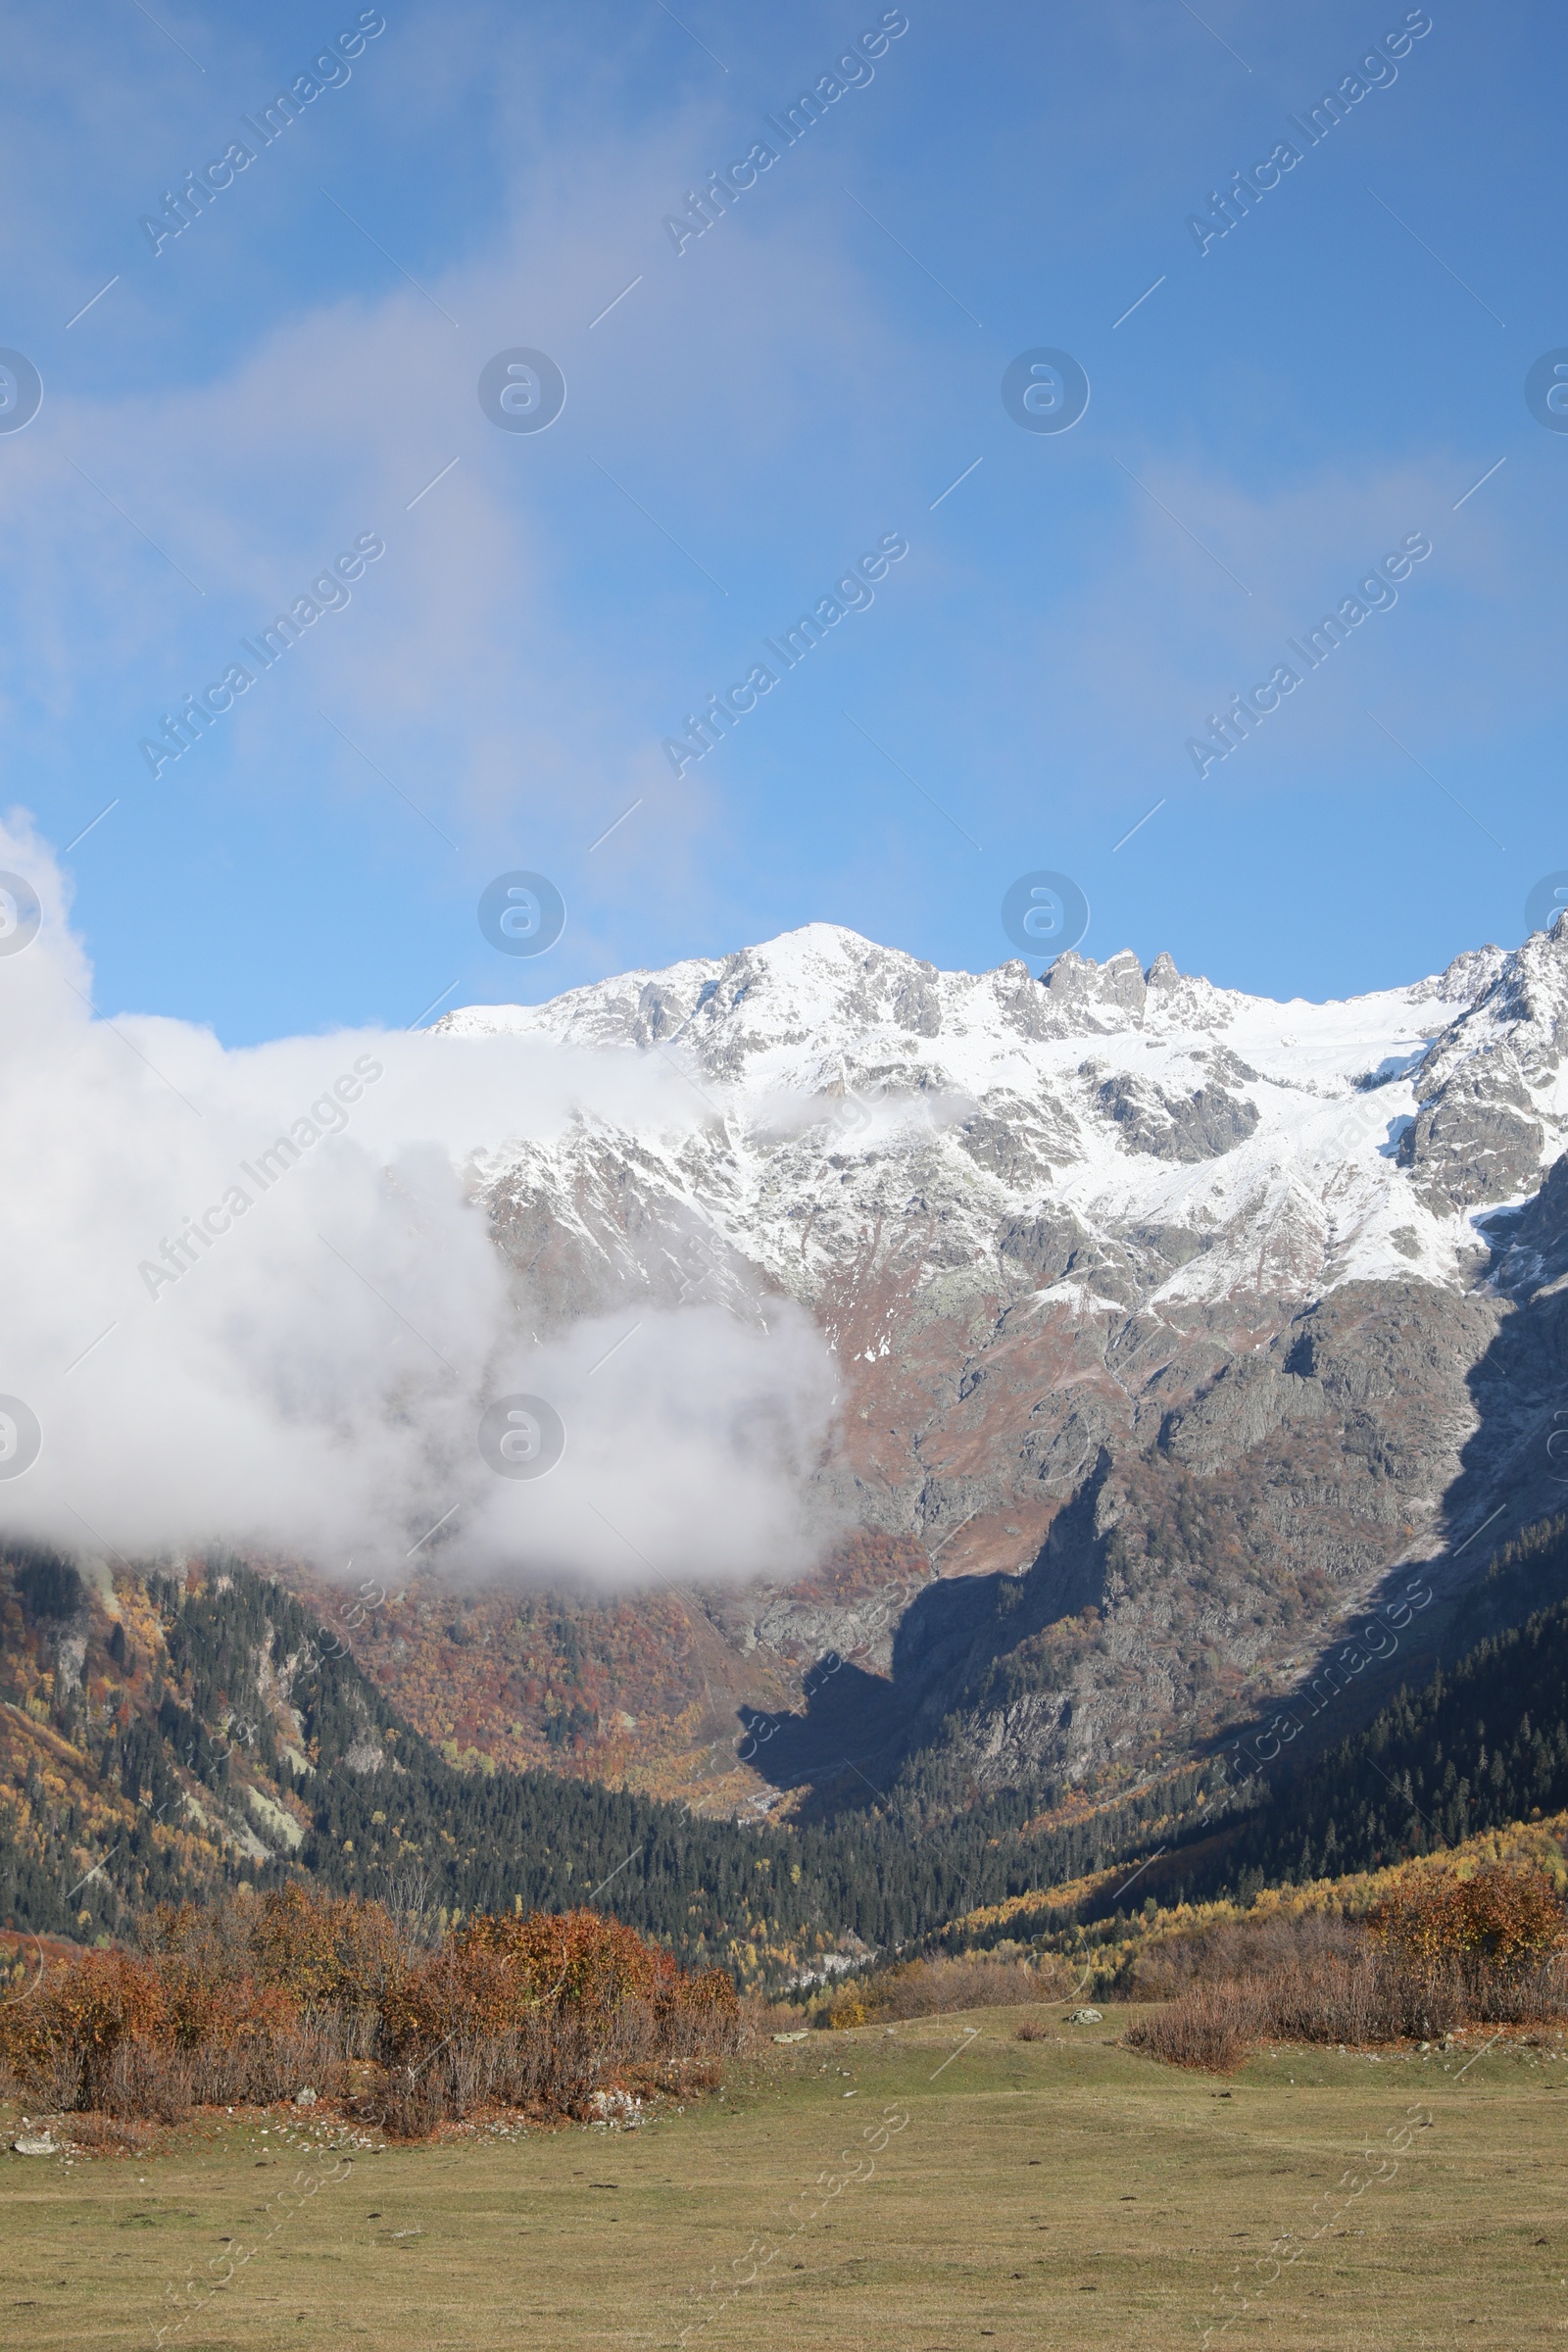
[1245, 1402]
[1087, 998]
[1474, 1141]
[1487, 1090]
[1531, 1244]
[1169, 1321]
[1196, 1126]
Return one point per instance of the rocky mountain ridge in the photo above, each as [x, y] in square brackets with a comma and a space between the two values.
[1170, 1321]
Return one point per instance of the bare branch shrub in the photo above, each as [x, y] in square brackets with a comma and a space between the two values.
[1442, 1950]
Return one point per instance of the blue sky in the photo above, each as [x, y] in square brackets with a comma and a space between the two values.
[808, 376]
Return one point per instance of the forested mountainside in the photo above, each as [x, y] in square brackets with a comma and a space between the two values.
[183, 1734]
[179, 1735]
[1485, 1743]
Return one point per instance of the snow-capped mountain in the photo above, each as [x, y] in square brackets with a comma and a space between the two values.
[1169, 1308]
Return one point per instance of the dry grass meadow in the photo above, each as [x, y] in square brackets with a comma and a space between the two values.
[943, 2184]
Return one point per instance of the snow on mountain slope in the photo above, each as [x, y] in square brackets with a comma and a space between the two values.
[848, 1082]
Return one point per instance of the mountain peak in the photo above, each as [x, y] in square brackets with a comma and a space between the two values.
[827, 984]
[796, 1009]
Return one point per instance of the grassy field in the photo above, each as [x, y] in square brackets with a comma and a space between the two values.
[940, 2185]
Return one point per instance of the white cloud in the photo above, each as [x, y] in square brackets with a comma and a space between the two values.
[310, 1379]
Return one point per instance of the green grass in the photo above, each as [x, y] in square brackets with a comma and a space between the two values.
[1062, 2192]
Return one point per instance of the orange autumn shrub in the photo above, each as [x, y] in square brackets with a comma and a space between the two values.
[571, 1959]
[1498, 1918]
[325, 1949]
[79, 2020]
[204, 1962]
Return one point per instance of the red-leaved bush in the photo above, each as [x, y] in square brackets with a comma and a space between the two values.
[256, 1999]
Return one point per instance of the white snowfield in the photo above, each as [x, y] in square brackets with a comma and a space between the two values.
[841, 1089]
